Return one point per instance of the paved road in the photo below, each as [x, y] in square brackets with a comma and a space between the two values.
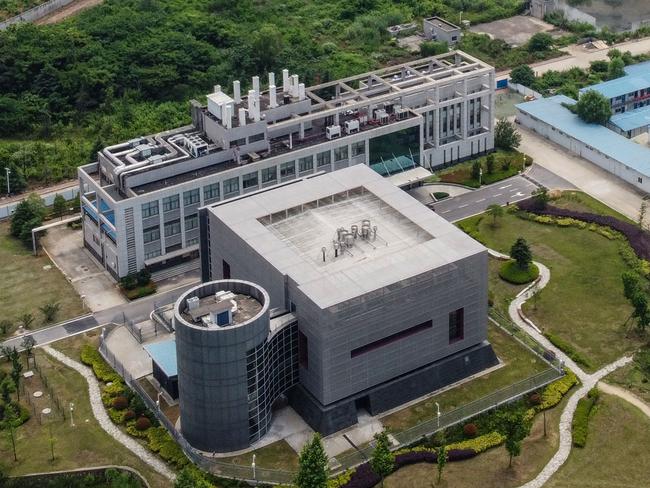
[137, 311]
[463, 206]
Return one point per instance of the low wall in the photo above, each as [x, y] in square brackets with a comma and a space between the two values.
[35, 13]
[524, 90]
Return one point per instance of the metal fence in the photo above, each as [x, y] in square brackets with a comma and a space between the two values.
[349, 460]
[35, 13]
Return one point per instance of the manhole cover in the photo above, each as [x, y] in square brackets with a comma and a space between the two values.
[38, 394]
[47, 267]
[46, 411]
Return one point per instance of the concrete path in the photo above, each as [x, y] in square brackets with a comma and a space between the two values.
[626, 395]
[104, 421]
[588, 380]
[56, 332]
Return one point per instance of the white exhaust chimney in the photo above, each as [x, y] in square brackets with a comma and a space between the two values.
[242, 117]
[272, 97]
[251, 100]
[294, 85]
[285, 80]
[236, 91]
[227, 116]
[271, 79]
[217, 88]
[301, 91]
[256, 84]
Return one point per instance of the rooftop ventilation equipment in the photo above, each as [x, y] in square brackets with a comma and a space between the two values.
[193, 303]
[333, 131]
[236, 91]
[196, 145]
[351, 126]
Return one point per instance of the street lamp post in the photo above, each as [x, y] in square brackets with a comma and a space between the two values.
[523, 168]
[438, 413]
[71, 412]
[8, 171]
[253, 466]
[83, 303]
[45, 413]
[480, 176]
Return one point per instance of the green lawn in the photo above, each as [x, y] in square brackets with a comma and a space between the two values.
[26, 285]
[616, 454]
[519, 364]
[278, 455]
[84, 445]
[632, 378]
[490, 469]
[583, 303]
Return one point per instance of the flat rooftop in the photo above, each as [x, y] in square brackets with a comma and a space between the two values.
[289, 227]
[164, 355]
[615, 146]
[246, 307]
[636, 79]
[632, 119]
[442, 23]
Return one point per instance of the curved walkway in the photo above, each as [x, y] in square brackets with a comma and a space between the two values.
[102, 417]
[588, 380]
[626, 395]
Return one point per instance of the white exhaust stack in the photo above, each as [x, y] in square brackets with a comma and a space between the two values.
[217, 88]
[285, 81]
[242, 117]
[294, 85]
[236, 91]
[301, 91]
[271, 79]
[251, 100]
[227, 116]
[256, 84]
[272, 97]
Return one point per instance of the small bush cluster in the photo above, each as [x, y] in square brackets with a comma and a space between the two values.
[470, 430]
[553, 393]
[161, 442]
[580, 424]
[479, 444]
[91, 357]
[512, 273]
[142, 424]
[568, 349]
[120, 403]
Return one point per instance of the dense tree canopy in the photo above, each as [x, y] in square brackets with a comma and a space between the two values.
[523, 75]
[593, 107]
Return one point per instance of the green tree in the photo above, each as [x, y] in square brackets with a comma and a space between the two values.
[495, 211]
[27, 319]
[515, 427]
[59, 205]
[522, 75]
[312, 465]
[191, 477]
[441, 460]
[28, 214]
[540, 42]
[540, 198]
[5, 325]
[50, 310]
[28, 344]
[521, 253]
[614, 53]
[17, 182]
[432, 48]
[616, 68]
[267, 46]
[593, 107]
[383, 459]
[476, 170]
[489, 163]
[506, 135]
[16, 370]
[642, 214]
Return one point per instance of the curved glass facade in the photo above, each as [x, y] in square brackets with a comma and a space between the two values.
[395, 152]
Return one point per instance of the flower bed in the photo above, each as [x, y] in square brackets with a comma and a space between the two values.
[639, 239]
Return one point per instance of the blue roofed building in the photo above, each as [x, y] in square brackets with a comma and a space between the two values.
[631, 123]
[613, 152]
[165, 369]
[629, 92]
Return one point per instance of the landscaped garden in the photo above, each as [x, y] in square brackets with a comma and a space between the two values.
[586, 268]
[616, 452]
[495, 167]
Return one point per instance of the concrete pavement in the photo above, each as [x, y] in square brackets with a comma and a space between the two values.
[56, 332]
[475, 202]
[586, 176]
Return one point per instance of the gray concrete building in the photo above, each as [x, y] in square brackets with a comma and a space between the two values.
[140, 200]
[390, 299]
[438, 29]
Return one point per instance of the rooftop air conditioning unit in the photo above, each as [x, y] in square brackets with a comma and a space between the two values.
[333, 131]
[193, 303]
[351, 126]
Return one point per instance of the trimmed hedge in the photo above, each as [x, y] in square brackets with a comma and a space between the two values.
[91, 357]
[580, 424]
[568, 349]
[479, 444]
[638, 238]
[553, 393]
[512, 273]
[161, 442]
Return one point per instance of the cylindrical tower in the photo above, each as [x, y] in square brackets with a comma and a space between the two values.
[219, 326]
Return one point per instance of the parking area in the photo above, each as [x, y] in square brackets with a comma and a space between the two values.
[516, 30]
[65, 247]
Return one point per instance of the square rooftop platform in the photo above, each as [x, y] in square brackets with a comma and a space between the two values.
[289, 225]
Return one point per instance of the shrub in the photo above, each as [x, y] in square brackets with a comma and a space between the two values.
[480, 443]
[568, 349]
[120, 403]
[91, 357]
[534, 399]
[580, 424]
[161, 442]
[470, 430]
[143, 423]
[439, 195]
[129, 415]
[553, 393]
[512, 273]
[116, 388]
[117, 416]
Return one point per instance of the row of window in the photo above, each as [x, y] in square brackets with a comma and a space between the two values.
[190, 197]
[151, 234]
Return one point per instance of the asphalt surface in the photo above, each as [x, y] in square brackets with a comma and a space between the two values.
[503, 192]
[137, 311]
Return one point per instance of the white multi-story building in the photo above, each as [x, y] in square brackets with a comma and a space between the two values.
[141, 198]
